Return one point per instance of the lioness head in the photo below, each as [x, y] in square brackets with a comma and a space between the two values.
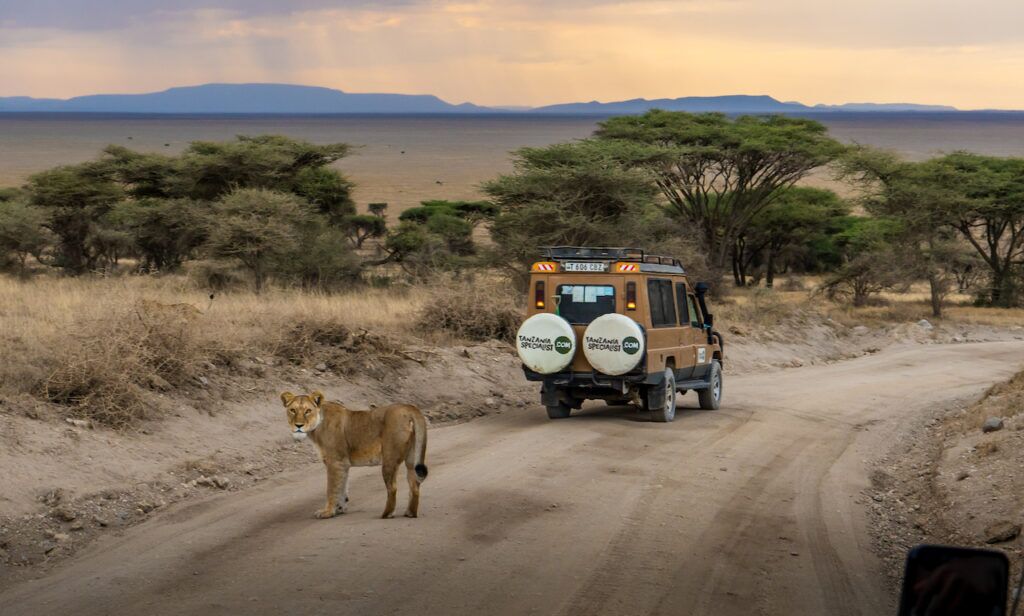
[304, 413]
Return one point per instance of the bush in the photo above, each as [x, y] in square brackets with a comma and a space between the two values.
[102, 371]
[473, 311]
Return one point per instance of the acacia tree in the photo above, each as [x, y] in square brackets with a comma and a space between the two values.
[870, 259]
[577, 193]
[717, 173]
[257, 227]
[984, 201]
[796, 219]
[22, 232]
[75, 198]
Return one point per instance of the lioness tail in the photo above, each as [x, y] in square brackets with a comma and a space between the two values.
[420, 447]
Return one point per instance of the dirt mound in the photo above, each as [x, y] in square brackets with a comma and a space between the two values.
[956, 479]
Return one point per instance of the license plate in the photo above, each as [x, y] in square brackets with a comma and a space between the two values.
[585, 267]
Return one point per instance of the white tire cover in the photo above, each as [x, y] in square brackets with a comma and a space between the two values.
[613, 344]
[546, 343]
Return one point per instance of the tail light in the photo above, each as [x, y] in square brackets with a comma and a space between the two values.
[630, 296]
[538, 294]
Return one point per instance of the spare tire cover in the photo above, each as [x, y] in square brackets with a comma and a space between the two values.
[546, 343]
[613, 344]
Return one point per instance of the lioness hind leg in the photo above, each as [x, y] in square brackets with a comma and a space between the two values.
[390, 470]
[414, 491]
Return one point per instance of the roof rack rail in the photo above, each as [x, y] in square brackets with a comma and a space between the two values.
[601, 253]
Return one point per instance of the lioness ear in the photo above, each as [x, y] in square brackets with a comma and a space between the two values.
[287, 397]
[318, 397]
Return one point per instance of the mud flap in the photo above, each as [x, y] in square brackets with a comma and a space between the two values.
[654, 394]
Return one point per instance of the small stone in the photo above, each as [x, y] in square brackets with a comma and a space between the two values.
[64, 514]
[77, 525]
[204, 481]
[1001, 532]
[222, 482]
[490, 402]
[321, 367]
[147, 506]
[992, 424]
[102, 522]
[202, 380]
[860, 330]
[925, 324]
[53, 497]
[80, 423]
[962, 475]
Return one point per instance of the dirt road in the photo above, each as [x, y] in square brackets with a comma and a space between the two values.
[750, 509]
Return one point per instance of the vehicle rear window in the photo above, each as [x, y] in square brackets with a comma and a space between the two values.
[663, 307]
[580, 304]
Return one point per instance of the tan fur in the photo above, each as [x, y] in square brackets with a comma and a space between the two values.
[388, 436]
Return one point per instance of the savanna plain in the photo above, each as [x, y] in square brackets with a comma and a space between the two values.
[146, 461]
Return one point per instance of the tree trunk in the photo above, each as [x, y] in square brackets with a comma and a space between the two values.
[1004, 289]
[935, 286]
[737, 276]
[769, 267]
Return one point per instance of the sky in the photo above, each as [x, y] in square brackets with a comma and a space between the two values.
[967, 53]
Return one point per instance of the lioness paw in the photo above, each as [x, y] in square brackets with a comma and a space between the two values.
[325, 513]
[410, 514]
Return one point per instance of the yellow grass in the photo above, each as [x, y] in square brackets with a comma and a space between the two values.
[91, 344]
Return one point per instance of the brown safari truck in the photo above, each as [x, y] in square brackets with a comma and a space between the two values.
[619, 325]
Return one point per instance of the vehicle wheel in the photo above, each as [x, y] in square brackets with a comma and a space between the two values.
[711, 398]
[559, 411]
[668, 412]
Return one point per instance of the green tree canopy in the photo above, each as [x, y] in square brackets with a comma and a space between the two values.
[257, 227]
[717, 173]
[22, 232]
[571, 194]
[75, 197]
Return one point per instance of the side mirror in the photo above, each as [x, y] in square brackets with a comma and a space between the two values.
[954, 581]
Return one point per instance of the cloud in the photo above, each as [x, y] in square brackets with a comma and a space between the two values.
[115, 14]
[525, 51]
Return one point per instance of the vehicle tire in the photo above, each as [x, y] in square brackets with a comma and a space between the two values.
[711, 398]
[668, 412]
[559, 411]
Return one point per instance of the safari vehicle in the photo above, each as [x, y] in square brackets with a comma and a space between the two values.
[619, 325]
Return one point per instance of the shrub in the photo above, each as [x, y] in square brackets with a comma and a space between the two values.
[103, 369]
[472, 310]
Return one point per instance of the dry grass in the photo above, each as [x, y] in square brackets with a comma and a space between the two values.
[480, 310]
[94, 346]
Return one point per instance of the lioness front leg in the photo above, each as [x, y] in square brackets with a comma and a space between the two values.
[337, 475]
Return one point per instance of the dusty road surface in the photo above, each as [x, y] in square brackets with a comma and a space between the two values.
[752, 509]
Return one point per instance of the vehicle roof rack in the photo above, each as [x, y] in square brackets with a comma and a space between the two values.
[651, 263]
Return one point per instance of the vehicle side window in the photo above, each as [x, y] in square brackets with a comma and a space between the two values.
[695, 318]
[663, 307]
[684, 315]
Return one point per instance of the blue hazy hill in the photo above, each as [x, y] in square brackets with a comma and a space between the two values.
[739, 103]
[242, 98]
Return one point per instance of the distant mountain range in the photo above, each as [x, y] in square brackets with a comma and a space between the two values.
[242, 98]
[270, 98]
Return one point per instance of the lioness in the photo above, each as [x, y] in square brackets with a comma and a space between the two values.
[387, 436]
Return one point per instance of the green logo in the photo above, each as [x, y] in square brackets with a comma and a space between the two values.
[630, 345]
[563, 345]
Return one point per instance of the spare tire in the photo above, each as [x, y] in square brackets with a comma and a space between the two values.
[614, 344]
[546, 343]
